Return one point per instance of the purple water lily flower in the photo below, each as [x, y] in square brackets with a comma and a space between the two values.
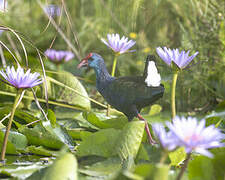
[181, 59]
[52, 10]
[195, 136]
[59, 56]
[166, 139]
[19, 79]
[119, 45]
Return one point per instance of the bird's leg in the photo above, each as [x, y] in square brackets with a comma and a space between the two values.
[151, 141]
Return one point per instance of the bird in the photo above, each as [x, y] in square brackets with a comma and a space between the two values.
[127, 94]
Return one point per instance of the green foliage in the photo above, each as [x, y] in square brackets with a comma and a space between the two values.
[102, 146]
[103, 168]
[39, 136]
[20, 172]
[204, 168]
[153, 172]
[64, 167]
[177, 157]
[11, 148]
[64, 87]
[102, 122]
[130, 139]
[110, 147]
[41, 151]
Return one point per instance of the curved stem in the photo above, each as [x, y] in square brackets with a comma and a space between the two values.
[184, 167]
[112, 74]
[173, 90]
[4, 145]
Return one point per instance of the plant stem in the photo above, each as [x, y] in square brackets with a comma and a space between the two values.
[173, 90]
[184, 167]
[58, 67]
[112, 74]
[4, 145]
[114, 65]
[163, 157]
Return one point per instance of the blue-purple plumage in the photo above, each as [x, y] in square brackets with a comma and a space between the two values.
[127, 94]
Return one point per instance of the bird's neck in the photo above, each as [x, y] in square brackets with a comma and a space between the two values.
[102, 75]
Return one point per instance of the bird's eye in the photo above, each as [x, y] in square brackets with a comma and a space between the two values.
[89, 55]
[90, 59]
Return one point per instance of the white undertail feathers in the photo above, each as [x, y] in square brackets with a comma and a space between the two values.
[153, 77]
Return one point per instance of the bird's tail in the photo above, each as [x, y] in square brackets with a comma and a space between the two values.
[151, 75]
[148, 59]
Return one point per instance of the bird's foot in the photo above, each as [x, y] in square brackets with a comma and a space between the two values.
[150, 139]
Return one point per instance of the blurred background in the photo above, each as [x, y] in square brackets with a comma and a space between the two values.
[196, 25]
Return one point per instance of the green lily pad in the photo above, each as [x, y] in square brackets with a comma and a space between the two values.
[130, 139]
[65, 87]
[102, 168]
[177, 157]
[41, 151]
[101, 143]
[20, 172]
[40, 137]
[64, 167]
[103, 122]
[10, 148]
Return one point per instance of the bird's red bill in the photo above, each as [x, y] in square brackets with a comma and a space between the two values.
[84, 62]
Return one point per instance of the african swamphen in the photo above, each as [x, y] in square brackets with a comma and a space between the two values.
[127, 94]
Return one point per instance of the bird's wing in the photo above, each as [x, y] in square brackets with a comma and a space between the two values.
[134, 90]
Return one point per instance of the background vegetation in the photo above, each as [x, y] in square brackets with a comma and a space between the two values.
[196, 25]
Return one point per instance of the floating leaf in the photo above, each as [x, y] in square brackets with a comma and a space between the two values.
[20, 172]
[154, 153]
[200, 168]
[94, 120]
[218, 162]
[11, 148]
[101, 143]
[59, 133]
[18, 139]
[51, 116]
[161, 117]
[155, 109]
[103, 122]
[103, 168]
[152, 171]
[40, 137]
[41, 151]
[142, 153]
[117, 123]
[64, 167]
[130, 139]
[177, 157]
[65, 87]
[77, 133]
